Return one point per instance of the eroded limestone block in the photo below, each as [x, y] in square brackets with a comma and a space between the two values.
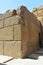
[10, 13]
[1, 47]
[1, 23]
[17, 32]
[12, 20]
[6, 33]
[12, 48]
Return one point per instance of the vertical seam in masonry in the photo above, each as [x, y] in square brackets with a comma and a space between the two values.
[21, 40]
[3, 47]
[13, 32]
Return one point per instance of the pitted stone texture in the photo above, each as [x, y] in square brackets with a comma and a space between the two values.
[17, 32]
[12, 48]
[12, 20]
[6, 33]
[1, 23]
[1, 48]
[9, 13]
[27, 33]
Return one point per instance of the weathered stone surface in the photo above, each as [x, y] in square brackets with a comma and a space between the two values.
[38, 12]
[39, 15]
[11, 21]
[1, 16]
[17, 32]
[1, 47]
[9, 13]
[20, 33]
[12, 48]
[30, 31]
[6, 33]
[1, 23]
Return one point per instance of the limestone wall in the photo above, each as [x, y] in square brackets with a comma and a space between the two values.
[30, 31]
[38, 12]
[19, 33]
[10, 36]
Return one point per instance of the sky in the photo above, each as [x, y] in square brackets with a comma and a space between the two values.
[13, 4]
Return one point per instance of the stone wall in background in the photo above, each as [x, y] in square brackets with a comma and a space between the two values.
[19, 33]
[38, 12]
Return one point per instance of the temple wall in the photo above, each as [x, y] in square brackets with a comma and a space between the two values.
[19, 33]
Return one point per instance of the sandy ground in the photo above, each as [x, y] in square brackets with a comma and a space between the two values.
[25, 62]
[19, 61]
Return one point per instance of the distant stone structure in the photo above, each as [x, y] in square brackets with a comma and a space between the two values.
[38, 12]
[19, 33]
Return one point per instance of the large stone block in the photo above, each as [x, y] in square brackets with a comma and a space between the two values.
[9, 13]
[6, 33]
[12, 20]
[1, 47]
[12, 48]
[34, 34]
[17, 32]
[1, 23]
